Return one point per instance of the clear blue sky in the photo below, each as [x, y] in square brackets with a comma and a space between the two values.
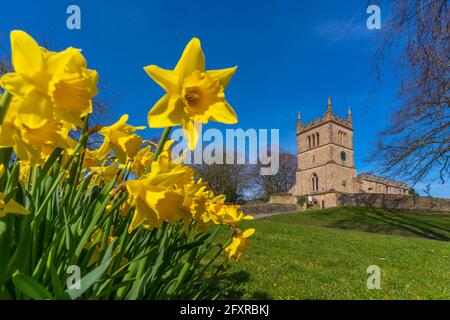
[291, 56]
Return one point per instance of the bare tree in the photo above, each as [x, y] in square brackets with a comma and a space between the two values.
[282, 181]
[4, 66]
[228, 179]
[427, 190]
[416, 145]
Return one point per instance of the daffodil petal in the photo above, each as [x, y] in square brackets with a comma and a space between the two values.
[35, 110]
[15, 84]
[120, 153]
[138, 218]
[192, 133]
[133, 187]
[167, 112]
[222, 112]
[78, 61]
[191, 60]
[7, 132]
[13, 207]
[131, 144]
[247, 233]
[167, 79]
[68, 117]
[116, 126]
[152, 220]
[48, 134]
[24, 152]
[167, 204]
[232, 248]
[57, 62]
[167, 179]
[222, 75]
[26, 54]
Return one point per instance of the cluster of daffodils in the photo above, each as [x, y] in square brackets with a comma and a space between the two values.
[49, 95]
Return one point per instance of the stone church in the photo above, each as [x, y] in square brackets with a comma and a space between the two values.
[326, 165]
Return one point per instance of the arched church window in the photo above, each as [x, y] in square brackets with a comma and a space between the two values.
[315, 182]
[317, 137]
[309, 142]
[314, 140]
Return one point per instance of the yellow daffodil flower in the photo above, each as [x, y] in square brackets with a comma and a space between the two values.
[195, 204]
[91, 159]
[10, 206]
[104, 174]
[232, 215]
[31, 144]
[49, 86]
[121, 139]
[193, 94]
[142, 161]
[166, 164]
[239, 244]
[215, 205]
[154, 197]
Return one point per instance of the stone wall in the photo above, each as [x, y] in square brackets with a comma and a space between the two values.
[285, 199]
[325, 200]
[288, 203]
[392, 201]
[263, 208]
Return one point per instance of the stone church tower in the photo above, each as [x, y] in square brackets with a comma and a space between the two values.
[325, 156]
[325, 163]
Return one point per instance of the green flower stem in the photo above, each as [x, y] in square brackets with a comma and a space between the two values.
[4, 103]
[5, 153]
[162, 142]
[81, 144]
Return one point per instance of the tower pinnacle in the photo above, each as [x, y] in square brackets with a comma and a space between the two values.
[349, 115]
[329, 106]
[299, 119]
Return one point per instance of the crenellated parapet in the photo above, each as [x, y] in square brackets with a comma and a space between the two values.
[329, 116]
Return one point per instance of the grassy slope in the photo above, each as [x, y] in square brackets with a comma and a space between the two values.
[310, 256]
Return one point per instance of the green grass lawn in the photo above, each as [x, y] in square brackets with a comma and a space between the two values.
[325, 254]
